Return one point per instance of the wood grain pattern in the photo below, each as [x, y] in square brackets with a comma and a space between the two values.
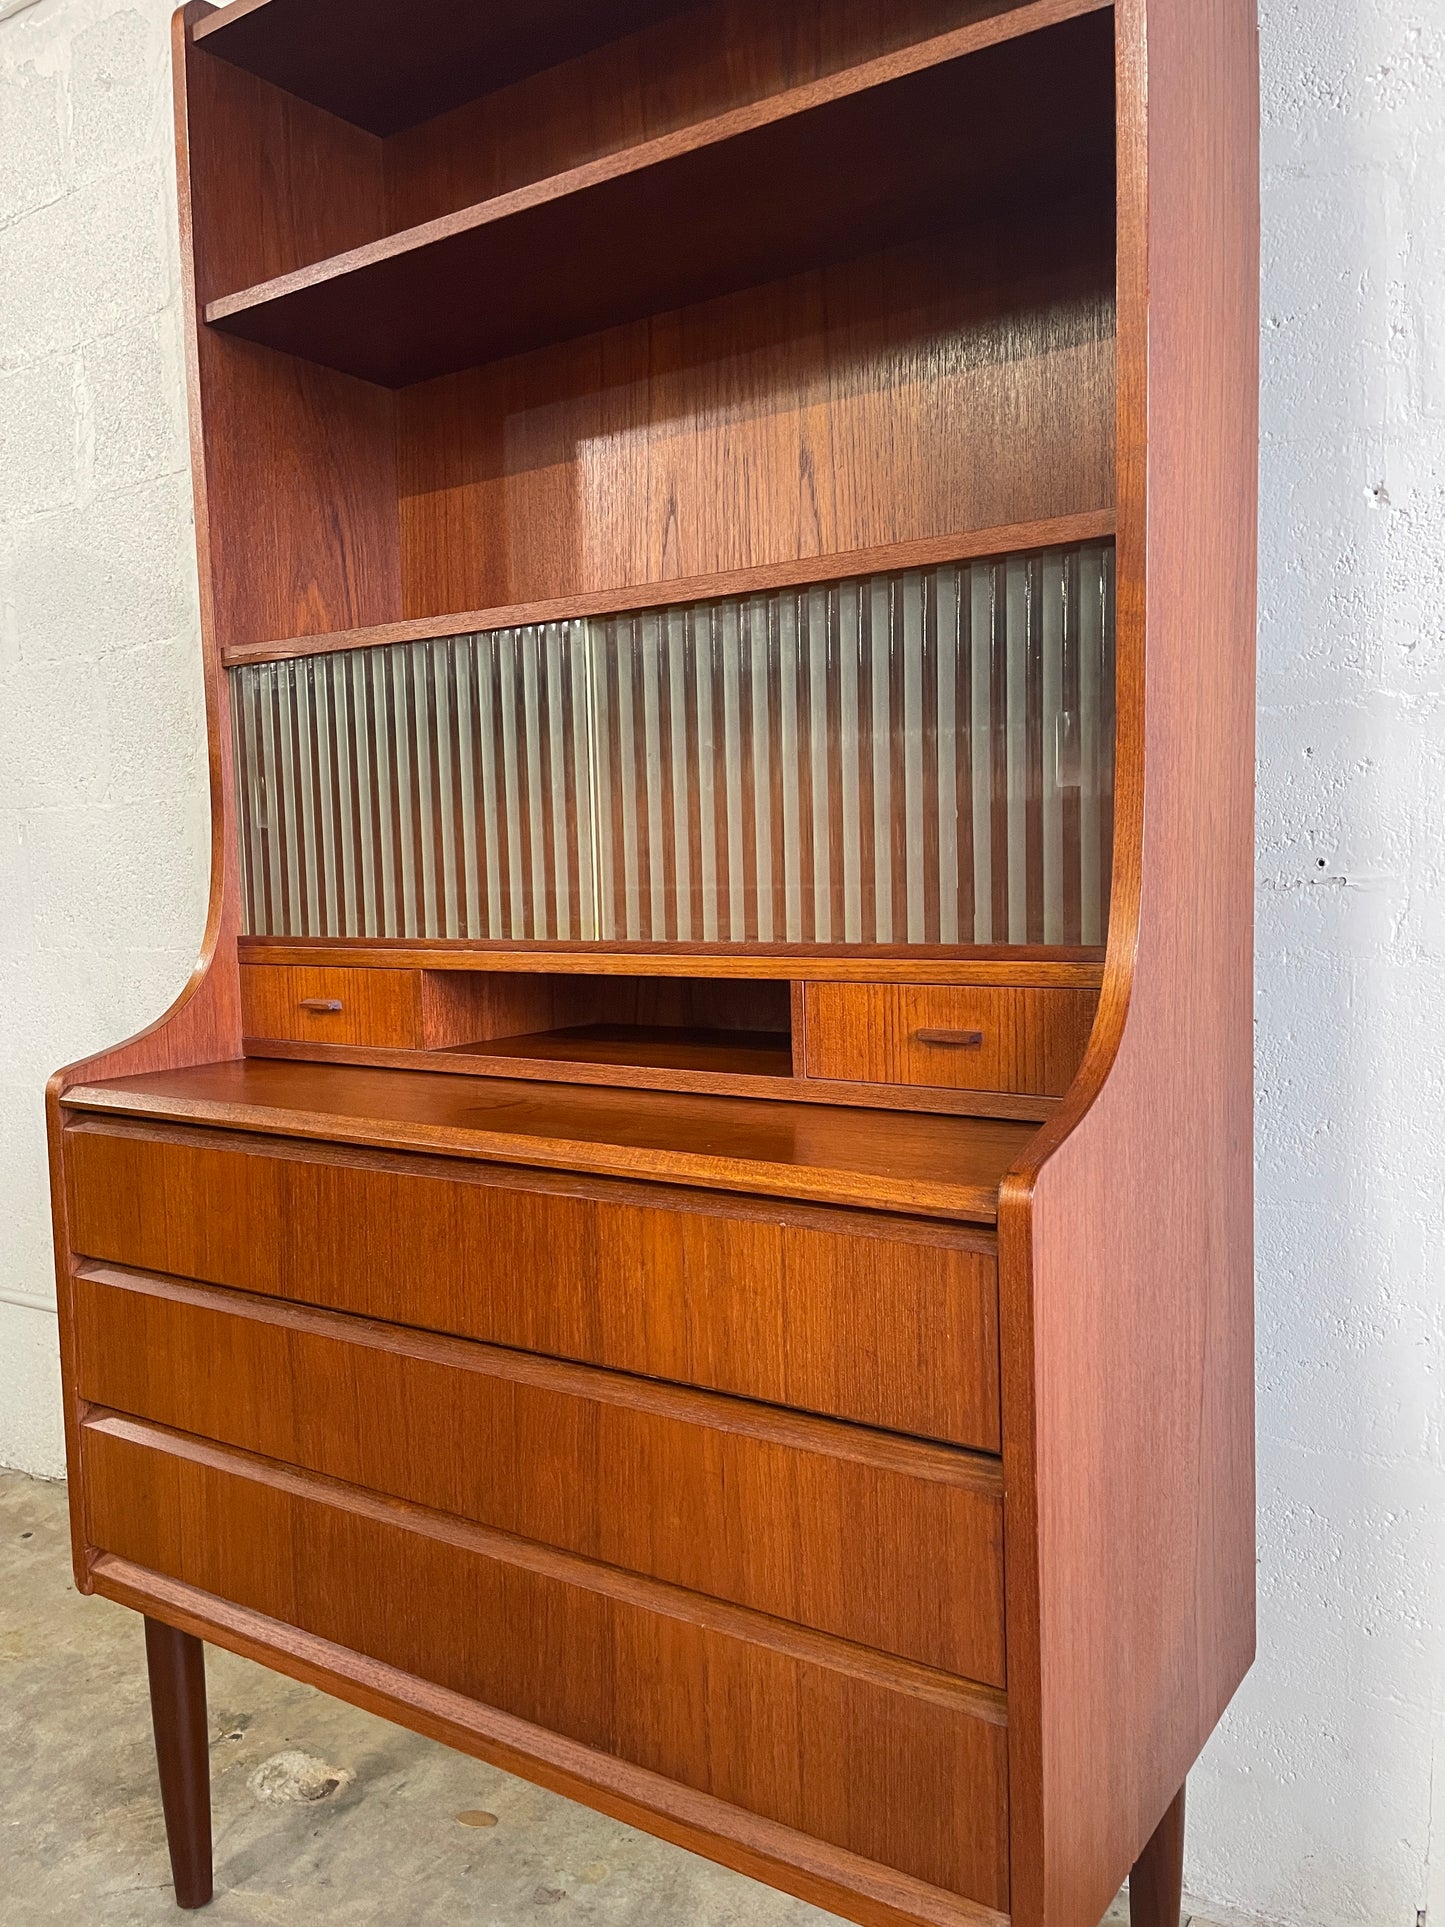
[855, 160]
[893, 1545]
[1047, 532]
[791, 1087]
[1029, 1040]
[849, 409]
[735, 1054]
[1132, 1212]
[645, 1672]
[176, 1666]
[297, 476]
[884, 1321]
[1156, 1885]
[919, 393]
[393, 67]
[303, 478]
[376, 1006]
[727, 1036]
[275, 181]
[839, 963]
[949, 1167]
[824, 1875]
[685, 69]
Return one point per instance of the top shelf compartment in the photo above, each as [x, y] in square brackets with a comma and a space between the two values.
[994, 116]
[386, 65]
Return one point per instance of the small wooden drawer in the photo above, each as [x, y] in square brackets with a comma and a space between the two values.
[895, 1762]
[950, 1037]
[379, 1009]
[894, 1544]
[855, 1315]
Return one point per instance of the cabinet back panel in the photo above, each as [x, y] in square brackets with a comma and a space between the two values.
[955, 385]
[672, 75]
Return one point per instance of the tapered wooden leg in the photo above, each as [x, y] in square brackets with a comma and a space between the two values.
[1156, 1886]
[176, 1663]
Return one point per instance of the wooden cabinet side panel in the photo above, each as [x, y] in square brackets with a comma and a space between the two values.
[275, 182]
[778, 1722]
[1126, 1233]
[296, 522]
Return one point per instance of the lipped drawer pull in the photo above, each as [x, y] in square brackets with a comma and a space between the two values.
[951, 1039]
[328, 1004]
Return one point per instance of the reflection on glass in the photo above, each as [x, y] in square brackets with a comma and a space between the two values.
[915, 758]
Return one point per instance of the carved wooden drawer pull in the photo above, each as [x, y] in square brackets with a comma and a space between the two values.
[331, 1004]
[951, 1039]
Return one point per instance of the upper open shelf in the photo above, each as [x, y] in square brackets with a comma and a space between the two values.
[387, 64]
[991, 116]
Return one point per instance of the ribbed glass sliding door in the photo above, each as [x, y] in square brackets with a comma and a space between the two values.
[915, 758]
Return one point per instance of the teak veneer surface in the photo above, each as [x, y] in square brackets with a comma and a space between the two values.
[740, 1053]
[858, 160]
[1126, 1236]
[718, 1697]
[842, 963]
[718, 55]
[893, 1545]
[790, 1088]
[943, 1166]
[1028, 1040]
[1042, 359]
[860, 405]
[1059, 531]
[794, 1862]
[381, 1007]
[394, 65]
[888, 1321]
[599, 61]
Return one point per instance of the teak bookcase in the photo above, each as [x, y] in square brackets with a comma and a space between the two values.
[691, 1233]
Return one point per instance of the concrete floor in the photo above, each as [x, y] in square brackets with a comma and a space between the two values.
[81, 1836]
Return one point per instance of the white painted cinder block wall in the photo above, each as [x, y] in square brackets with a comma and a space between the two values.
[1314, 1804]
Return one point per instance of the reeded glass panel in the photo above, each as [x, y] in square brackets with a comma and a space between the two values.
[916, 758]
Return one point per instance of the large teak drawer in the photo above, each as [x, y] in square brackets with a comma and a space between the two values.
[891, 1761]
[853, 1314]
[892, 1543]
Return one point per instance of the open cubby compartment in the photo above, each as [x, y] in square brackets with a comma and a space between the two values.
[732, 1027]
[890, 340]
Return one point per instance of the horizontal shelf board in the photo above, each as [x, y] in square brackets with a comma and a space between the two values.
[839, 963]
[880, 153]
[387, 64]
[473, 1061]
[922, 1165]
[1059, 531]
[649, 1046]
